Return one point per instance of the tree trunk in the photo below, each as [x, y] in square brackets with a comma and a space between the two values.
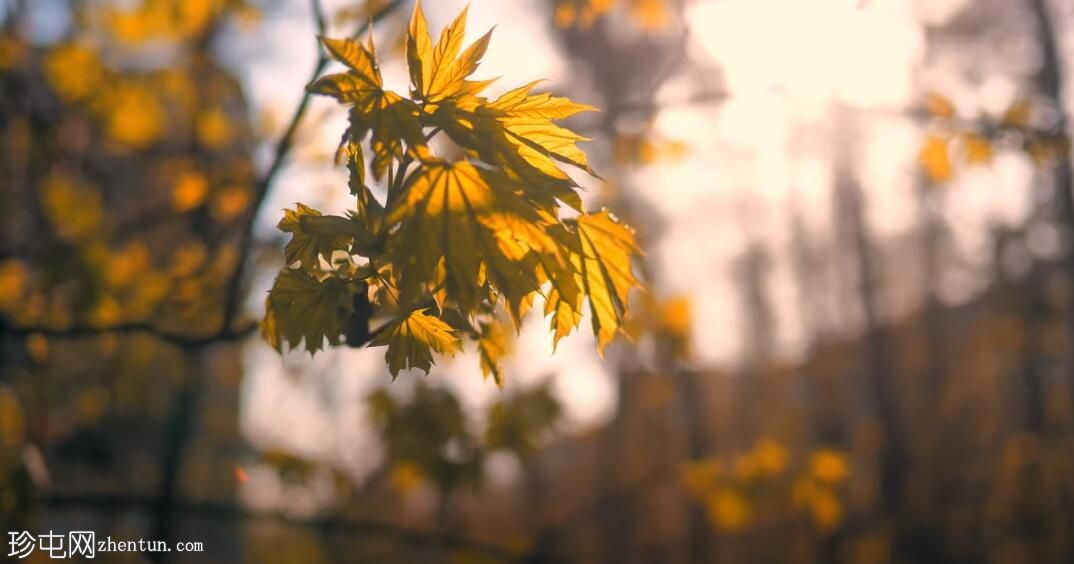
[1050, 84]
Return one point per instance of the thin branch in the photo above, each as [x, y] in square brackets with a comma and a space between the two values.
[319, 18]
[283, 149]
[224, 511]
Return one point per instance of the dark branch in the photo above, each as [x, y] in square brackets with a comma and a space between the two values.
[178, 339]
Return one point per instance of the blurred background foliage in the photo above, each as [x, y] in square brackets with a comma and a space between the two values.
[133, 170]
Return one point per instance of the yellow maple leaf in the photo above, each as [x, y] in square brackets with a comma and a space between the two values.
[452, 211]
[527, 119]
[412, 339]
[307, 246]
[439, 72]
[300, 307]
[392, 119]
[516, 132]
[604, 261]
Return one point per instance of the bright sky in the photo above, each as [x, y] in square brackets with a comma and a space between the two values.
[786, 62]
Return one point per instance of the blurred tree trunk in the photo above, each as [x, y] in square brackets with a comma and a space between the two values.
[880, 376]
[1050, 83]
[932, 245]
[752, 270]
[691, 401]
[178, 432]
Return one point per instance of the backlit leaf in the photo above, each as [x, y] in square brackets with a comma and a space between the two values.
[492, 345]
[392, 119]
[451, 211]
[412, 340]
[300, 307]
[474, 234]
[439, 72]
[307, 246]
[607, 277]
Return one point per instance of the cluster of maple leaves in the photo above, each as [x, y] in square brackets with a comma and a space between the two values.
[451, 243]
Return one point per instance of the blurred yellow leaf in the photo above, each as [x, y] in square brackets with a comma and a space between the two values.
[189, 191]
[37, 347]
[1046, 151]
[187, 259]
[135, 117]
[978, 148]
[1018, 114]
[214, 128]
[230, 202]
[650, 14]
[406, 477]
[76, 212]
[828, 466]
[12, 425]
[12, 52]
[935, 159]
[771, 457]
[583, 13]
[13, 279]
[939, 106]
[826, 510]
[74, 70]
[492, 345]
[125, 265]
[106, 312]
[729, 510]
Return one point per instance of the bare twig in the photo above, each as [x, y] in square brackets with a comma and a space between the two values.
[177, 339]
